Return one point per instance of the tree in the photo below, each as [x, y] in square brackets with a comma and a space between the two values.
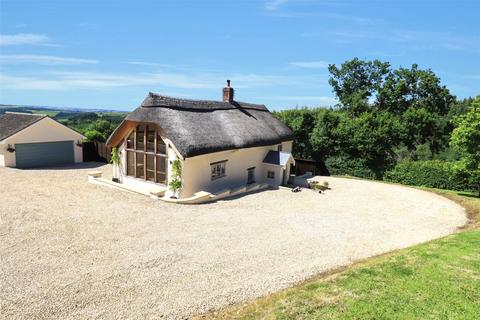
[412, 87]
[94, 135]
[356, 82]
[466, 140]
[324, 138]
[301, 122]
[414, 96]
[99, 130]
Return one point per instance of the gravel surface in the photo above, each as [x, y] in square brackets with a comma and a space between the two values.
[70, 249]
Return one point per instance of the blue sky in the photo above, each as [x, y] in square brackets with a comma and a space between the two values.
[110, 54]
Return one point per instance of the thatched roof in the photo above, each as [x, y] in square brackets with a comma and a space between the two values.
[199, 127]
[13, 122]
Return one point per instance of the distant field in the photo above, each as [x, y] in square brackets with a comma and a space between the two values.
[52, 112]
[46, 112]
[79, 120]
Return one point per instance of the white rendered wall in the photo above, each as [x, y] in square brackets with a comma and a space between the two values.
[197, 171]
[45, 130]
[196, 175]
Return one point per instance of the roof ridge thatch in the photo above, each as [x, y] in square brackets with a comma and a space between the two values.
[199, 127]
[158, 100]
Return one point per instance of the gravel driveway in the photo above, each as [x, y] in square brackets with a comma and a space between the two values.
[70, 249]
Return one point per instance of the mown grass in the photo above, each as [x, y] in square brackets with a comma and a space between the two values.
[436, 280]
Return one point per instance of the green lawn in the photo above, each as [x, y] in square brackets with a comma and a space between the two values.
[436, 280]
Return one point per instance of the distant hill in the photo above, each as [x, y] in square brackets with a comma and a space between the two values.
[82, 120]
[27, 108]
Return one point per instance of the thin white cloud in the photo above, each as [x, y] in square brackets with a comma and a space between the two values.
[408, 39]
[325, 16]
[274, 4]
[24, 39]
[155, 81]
[310, 64]
[150, 64]
[42, 59]
[59, 81]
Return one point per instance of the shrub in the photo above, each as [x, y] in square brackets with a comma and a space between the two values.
[176, 180]
[340, 166]
[434, 174]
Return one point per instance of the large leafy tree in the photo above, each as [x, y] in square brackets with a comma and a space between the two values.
[301, 122]
[99, 130]
[357, 82]
[466, 139]
[325, 137]
[414, 96]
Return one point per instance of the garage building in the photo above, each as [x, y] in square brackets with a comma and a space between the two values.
[34, 140]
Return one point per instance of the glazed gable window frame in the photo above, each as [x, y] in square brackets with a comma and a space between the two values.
[218, 170]
[146, 158]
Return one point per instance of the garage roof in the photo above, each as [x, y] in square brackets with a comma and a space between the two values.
[13, 122]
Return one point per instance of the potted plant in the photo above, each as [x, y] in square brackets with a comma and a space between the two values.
[10, 149]
[176, 181]
[115, 160]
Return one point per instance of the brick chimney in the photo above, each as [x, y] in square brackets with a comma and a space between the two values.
[228, 93]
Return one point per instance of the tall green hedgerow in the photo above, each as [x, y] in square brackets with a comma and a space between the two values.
[434, 174]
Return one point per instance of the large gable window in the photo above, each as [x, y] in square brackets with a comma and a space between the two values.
[146, 155]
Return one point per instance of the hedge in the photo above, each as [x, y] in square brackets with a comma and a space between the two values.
[434, 174]
[341, 166]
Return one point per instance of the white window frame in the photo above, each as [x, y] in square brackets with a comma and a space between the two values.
[218, 169]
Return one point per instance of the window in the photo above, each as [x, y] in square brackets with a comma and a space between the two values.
[218, 169]
[279, 147]
[251, 175]
[139, 170]
[150, 167]
[130, 163]
[161, 170]
[146, 155]
[270, 174]
[140, 138]
[161, 148]
[130, 140]
[150, 139]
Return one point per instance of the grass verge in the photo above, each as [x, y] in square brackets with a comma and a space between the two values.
[436, 280]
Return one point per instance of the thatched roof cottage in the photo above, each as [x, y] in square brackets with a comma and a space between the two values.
[224, 147]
